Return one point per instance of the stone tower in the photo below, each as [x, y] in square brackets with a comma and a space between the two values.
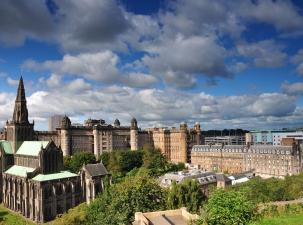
[65, 136]
[134, 135]
[197, 128]
[19, 129]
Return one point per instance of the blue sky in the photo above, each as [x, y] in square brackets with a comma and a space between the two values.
[227, 64]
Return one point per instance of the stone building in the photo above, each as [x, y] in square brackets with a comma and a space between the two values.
[175, 144]
[93, 180]
[265, 160]
[32, 180]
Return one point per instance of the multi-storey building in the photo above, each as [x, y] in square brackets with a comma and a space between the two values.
[265, 160]
[226, 140]
[271, 137]
[54, 122]
[175, 144]
[32, 180]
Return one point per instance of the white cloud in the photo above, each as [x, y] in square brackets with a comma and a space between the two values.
[154, 106]
[265, 53]
[12, 82]
[100, 66]
[179, 60]
[293, 89]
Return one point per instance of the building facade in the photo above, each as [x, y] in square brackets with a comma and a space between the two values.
[54, 122]
[32, 180]
[272, 137]
[264, 160]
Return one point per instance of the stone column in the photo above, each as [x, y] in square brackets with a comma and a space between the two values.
[65, 142]
[96, 142]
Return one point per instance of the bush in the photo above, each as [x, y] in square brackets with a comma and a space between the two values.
[228, 208]
[119, 203]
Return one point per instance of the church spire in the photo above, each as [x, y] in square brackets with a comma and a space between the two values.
[20, 111]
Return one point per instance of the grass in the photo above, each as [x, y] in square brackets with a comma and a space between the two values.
[8, 217]
[290, 219]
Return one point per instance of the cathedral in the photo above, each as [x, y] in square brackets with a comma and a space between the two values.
[33, 181]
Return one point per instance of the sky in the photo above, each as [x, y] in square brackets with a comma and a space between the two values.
[226, 64]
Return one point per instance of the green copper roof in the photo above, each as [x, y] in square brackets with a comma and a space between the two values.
[19, 170]
[31, 147]
[54, 176]
[6, 146]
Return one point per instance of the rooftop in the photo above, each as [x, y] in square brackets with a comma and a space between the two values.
[6, 146]
[20, 171]
[97, 169]
[31, 148]
[54, 176]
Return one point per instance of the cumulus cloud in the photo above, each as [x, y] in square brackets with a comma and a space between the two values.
[155, 106]
[24, 19]
[293, 89]
[100, 66]
[284, 16]
[265, 53]
[298, 60]
[184, 58]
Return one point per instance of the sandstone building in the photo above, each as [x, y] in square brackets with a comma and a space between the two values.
[264, 160]
[32, 178]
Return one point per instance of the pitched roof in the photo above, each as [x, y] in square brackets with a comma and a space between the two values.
[6, 146]
[97, 169]
[20, 171]
[222, 177]
[31, 147]
[54, 176]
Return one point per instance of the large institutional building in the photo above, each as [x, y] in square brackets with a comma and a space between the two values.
[264, 160]
[32, 179]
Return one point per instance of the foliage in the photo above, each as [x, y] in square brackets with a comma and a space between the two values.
[8, 217]
[187, 194]
[122, 161]
[273, 189]
[285, 219]
[290, 214]
[155, 161]
[76, 162]
[74, 216]
[228, 208]
[118, 204]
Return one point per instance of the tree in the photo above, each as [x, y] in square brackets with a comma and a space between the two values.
[118, 204]
[187, 194]
[228, 208]
[154, 161]
[75, 162]
[74, 216]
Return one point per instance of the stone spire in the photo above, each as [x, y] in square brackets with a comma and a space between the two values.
[20, 112]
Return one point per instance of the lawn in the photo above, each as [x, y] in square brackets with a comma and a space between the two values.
[282, 220]
[9, 218]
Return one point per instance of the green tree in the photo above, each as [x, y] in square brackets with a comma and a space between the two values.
[119, 203]
[154, 161]
[75, 162]
[228, 208]
[187, 194]
[74, 216]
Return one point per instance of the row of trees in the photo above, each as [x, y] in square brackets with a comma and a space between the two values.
[122, 162]
[261, 190]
